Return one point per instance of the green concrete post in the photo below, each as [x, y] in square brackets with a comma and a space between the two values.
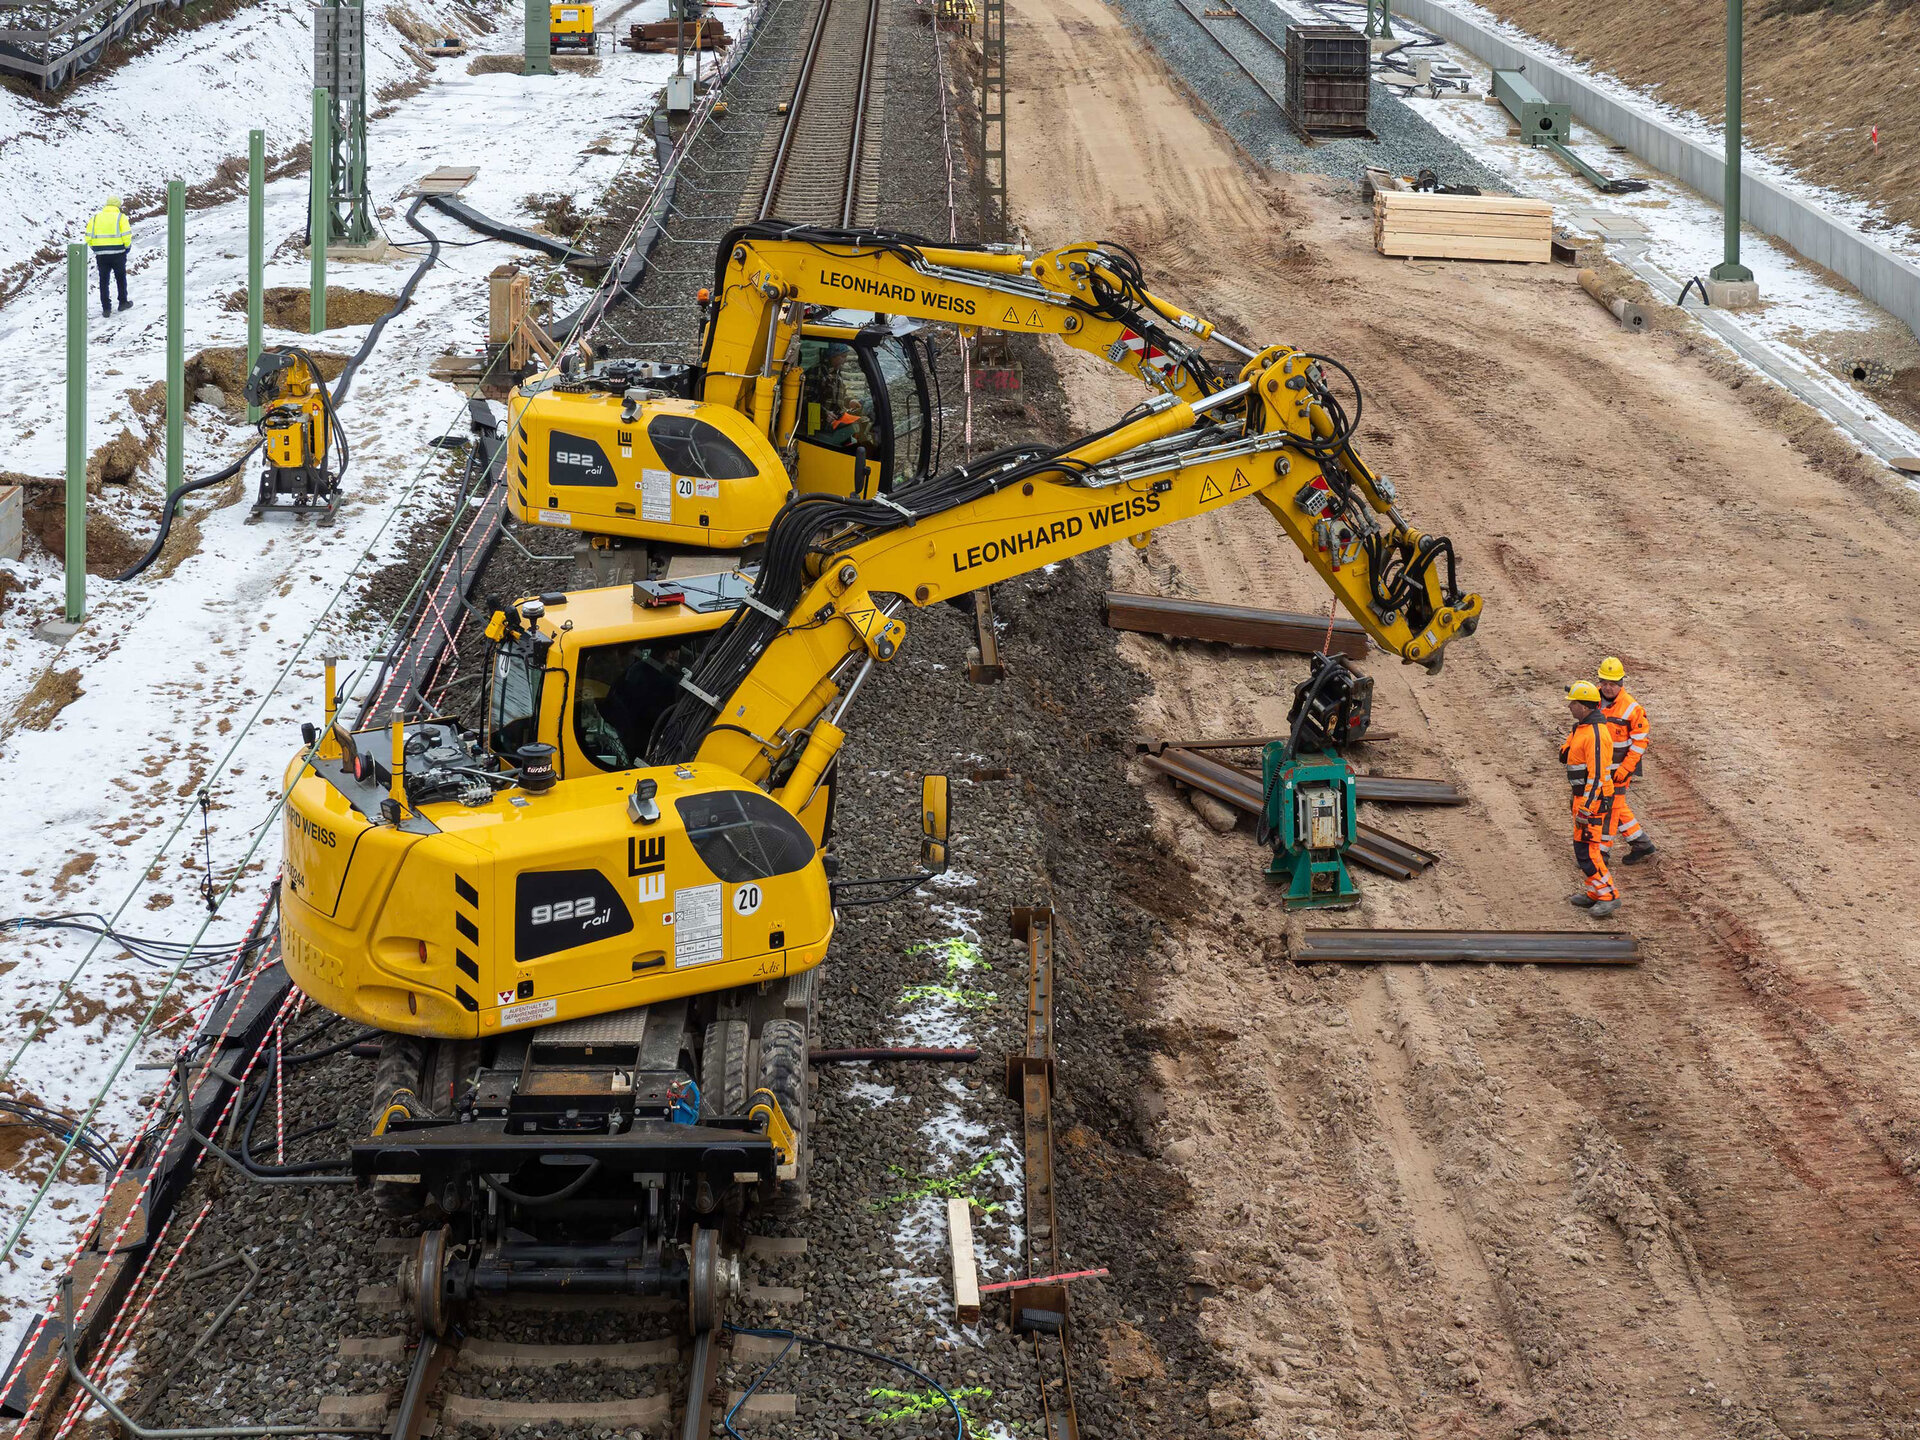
[317, 213]
[256, 247]
[176, 333]
[1731, 268]
[78, 300]
[539, 38]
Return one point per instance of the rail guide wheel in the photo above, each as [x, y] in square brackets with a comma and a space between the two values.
[711, 1278]
[423, 1282]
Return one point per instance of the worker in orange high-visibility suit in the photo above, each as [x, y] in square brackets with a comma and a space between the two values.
[1588, 754]
[1628, 721]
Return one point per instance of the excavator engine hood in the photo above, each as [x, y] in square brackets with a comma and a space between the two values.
[465, 920]
[684, 471]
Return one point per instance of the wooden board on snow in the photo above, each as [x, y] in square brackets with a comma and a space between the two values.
[1462, 227]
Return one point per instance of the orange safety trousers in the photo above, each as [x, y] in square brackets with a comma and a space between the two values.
[1591, 842]
[1588, 753]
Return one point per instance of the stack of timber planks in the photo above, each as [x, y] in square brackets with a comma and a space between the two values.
[1462, 227]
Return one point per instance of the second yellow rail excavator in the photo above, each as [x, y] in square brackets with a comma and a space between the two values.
[590, 926]
[815, 375]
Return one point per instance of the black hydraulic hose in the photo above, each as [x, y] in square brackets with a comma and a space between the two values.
[535, 1202]
[173, 501]
[330, 400]
[259, 1167]
[405, 299]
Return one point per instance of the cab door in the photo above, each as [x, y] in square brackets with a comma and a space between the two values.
[844, 435]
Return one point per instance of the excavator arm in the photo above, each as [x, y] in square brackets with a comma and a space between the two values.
[767, 698]
[1091, 296]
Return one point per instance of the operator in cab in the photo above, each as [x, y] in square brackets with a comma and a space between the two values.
[843, 421]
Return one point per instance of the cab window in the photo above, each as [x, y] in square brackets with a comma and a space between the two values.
[743, 835]
[513, 701]
[688, 446]
[903, 400]
[837, 408]
[623, 691]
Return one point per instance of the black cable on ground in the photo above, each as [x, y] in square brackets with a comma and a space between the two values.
[173, 501]
[64, 1128]
[794, 1337]
[162, 954]
[338, 394]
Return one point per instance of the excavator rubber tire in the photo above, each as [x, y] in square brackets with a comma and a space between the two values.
[398, 1077]
[783, 1070]
[723, 1069]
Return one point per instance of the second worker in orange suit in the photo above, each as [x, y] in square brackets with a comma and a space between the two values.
[1628, 721]
[1588, 754]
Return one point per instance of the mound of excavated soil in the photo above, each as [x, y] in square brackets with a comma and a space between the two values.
[1819, 76]
[285, 306]
[226, 366]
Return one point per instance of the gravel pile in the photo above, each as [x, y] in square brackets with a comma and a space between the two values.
[941, 967]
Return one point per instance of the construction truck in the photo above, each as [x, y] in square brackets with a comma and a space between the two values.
[570, 29]
[591, 925]
[815, 375]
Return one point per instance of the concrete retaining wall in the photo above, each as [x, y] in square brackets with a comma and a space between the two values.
[1886, 279]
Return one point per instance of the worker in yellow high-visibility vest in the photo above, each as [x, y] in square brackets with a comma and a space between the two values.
[109, 237]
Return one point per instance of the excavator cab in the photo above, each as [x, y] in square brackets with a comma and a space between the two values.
[864, 424]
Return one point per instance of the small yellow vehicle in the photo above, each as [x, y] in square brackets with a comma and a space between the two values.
[570, 29]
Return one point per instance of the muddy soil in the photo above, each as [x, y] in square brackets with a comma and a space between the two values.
[1671, 1200]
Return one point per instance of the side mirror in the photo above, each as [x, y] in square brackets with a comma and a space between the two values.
[933, 823]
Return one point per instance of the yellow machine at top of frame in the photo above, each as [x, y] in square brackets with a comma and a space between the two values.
[816, 376]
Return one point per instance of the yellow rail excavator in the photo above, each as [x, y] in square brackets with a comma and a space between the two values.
[815, 376]
[590, 926]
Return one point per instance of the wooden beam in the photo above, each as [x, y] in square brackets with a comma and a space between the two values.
[966, 1277]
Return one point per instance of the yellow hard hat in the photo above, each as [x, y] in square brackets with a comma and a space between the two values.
[113, 201]
[1584, 690]
[1612, 669]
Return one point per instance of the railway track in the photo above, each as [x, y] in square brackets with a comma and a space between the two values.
[818, 169]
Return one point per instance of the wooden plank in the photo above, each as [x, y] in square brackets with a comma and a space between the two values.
[1397, 201]
[499, 1355]
[1513, 227]
[762, 1406]
[966, 1276]
[1432, 247]
[512, 1414]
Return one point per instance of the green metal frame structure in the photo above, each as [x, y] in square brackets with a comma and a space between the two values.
[340, 69]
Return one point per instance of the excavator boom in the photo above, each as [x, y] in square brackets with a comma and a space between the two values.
[758, 704]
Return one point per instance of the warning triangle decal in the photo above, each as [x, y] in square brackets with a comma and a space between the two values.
[1033, 319]
[1240, 482]
[1209, 491]
[1012, 317]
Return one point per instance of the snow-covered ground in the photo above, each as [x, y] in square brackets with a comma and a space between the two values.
[200, 679]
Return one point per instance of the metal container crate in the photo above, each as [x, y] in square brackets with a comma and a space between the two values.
[1328, 80]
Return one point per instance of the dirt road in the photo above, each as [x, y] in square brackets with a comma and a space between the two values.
[1677, 1200]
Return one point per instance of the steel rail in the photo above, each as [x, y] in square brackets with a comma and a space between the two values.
[1233, 624]
[794, 108]
[860, 115]
[1440, 947]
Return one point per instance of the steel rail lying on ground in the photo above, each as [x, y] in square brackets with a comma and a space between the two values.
[1233, 624]
[1440, 947]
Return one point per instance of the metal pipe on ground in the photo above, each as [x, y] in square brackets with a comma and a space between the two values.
[1442, 947]
[1233, 624]
[1154, 745]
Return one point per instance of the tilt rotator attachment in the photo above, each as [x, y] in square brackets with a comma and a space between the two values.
[1311, 808]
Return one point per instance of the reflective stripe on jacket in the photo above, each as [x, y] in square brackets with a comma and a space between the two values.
[109, 229]
[1627, 719]
[1588, 753]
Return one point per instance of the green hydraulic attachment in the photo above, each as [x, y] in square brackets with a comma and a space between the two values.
[1548, 125]
[1310, 810]
[1313, 814]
